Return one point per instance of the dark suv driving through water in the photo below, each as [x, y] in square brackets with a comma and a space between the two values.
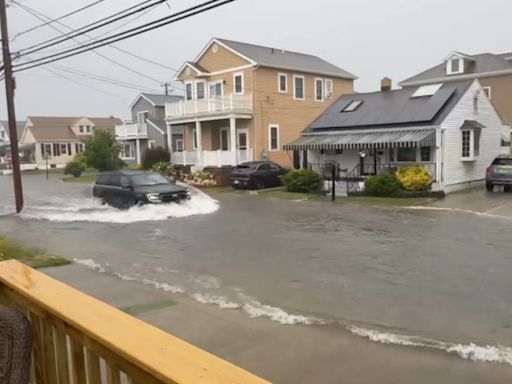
[125, 189]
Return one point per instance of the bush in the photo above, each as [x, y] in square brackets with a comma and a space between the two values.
[80, 158]
[384, 184]
[102, 150]
[151, 156]
[74, 168]
[202, 178]
[120, 164]
[414, 178]
[302, 180]
[139, 167]
[164, 167]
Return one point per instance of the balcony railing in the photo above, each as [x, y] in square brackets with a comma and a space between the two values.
[76, 336]
[214, 104]
[212, 158]
[131, 130]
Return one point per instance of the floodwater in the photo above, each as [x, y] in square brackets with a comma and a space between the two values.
[391, 275]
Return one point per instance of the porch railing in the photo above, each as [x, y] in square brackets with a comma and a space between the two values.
[212, 104]
[131, 130]
[217, 158]
[78, 339]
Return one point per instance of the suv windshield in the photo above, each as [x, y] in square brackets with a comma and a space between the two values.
[502, 161]
[149, 179]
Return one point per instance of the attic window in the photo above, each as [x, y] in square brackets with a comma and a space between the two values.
[352, 106]
[455, 66]
[427, 90]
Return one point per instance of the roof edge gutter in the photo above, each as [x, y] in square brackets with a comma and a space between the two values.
[370, 130]
[456, 78]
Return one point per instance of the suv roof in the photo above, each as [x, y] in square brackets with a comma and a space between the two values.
[125, 172]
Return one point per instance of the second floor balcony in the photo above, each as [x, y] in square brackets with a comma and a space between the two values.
[131, 131]
[210, 105]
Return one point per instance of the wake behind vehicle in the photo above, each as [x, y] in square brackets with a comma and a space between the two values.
[125, 189]
[499, 173]
[256, 175]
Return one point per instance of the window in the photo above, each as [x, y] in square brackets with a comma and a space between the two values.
[56, 149]
[151, 144]
[455, 65]
[64, 149]
[273, 137]
[328, 88]
[84, 128]
[200, 90]
[466, 144]
[427, 90]
[142, 117]
[127, 151]
[149, 178]
[283, 82]
[179, 145]
[188, 91]
[319, 90]
[391, 155]
[475, 105]
[115, 180]
[81, 128]
[224, 139]
[487, 91]
[103, 180]
[238, 82]
[298, 87]
[88, 129]
[425, 154]
[274, 166]
[406, 155]
[79, 147]
[47, 149]
[352, 106]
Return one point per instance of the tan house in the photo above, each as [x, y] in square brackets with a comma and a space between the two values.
[243, 102]
[61, 138]
[494, 71]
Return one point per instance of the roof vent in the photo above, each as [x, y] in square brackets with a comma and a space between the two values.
[427, 90]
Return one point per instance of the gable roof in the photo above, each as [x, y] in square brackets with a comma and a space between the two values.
[157, 100]
[390, 109]
[59, 128]
[20, 126]
[483, 65]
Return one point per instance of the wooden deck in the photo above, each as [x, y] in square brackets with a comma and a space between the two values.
[81, 340]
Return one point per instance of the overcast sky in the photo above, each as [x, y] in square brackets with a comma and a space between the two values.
[370, 38]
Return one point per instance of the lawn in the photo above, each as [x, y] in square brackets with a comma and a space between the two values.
[81, 179]
[33, 257]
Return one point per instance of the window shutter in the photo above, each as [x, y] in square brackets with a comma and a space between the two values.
[69, 149]
[56, 150]
[42, 150]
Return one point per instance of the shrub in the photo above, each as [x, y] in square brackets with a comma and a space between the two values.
[302, 180]
[79, 157]
[414, 178]
[74, 168]
[120, 164]
[151, 156]
[384, 184]
[162, 167]
[139, 167]
[202, 178]
[102, 150]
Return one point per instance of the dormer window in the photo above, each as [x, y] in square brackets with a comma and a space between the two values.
[455, 66]
[455, 63]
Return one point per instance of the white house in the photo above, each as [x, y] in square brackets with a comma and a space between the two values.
[451, 129]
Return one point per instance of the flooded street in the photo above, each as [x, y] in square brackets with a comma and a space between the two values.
[437, 274]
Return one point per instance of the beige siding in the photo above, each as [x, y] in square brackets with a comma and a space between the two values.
[55, 160]
[292, 116]
[83, 121]
[501, 94]
[223, 59]
[29, 137]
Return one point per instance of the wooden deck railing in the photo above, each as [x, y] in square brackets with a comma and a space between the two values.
[81, 340]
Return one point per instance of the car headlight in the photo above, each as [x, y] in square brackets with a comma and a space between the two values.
[188, 192]
[154, 198]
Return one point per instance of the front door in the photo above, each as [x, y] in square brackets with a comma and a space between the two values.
[215, 97]
[242, 143]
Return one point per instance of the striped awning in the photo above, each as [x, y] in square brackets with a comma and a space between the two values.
[366, 139]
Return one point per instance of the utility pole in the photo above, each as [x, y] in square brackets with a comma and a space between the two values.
[9, 91]
[166, 86]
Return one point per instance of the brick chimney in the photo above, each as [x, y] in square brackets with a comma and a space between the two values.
[385, 84]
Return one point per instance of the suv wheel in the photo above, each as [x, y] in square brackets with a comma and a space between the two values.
[259, 184]
[489, 187]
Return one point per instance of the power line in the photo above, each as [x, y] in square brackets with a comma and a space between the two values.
[120, 37]
[89, 25]
[60, 18]
[40, 16]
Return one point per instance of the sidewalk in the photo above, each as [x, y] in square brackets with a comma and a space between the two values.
[281, 354]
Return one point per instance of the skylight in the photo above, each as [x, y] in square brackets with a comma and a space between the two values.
[352, 106]
[427, 90]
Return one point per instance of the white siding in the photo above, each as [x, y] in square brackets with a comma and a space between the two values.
[347, 160]
[467, 172]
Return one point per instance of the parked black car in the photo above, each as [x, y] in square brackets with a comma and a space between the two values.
[257, 175]
[125, 189]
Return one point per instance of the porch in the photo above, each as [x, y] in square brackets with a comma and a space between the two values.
[75, 338]
[218, 158]
[131, 131]
[231, 103]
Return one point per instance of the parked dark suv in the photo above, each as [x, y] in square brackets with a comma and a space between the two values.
[256, 175]
[125, 189]
[499, 173]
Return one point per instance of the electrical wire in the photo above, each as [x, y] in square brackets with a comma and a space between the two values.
[89, 26]
[119, 37]
[59, 18]
[40, 16]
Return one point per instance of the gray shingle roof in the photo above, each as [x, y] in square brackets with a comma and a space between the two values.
[390, 109]
[278, 58]
[485, 62]
[160, 100]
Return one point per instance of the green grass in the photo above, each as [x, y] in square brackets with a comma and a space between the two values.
[135, 310]
[33, 257]
[81, 179]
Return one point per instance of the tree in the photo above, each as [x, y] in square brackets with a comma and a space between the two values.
[102, 150]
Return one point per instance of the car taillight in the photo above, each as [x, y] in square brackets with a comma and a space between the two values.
[489, 170]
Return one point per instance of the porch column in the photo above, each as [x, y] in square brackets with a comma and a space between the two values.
[232, 139]
[138, 151]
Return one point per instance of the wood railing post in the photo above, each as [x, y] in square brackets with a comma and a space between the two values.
[50, 365]
[93, 368]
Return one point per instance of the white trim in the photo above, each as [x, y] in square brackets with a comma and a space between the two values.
[191, 82]
[137, 99]
[151, 141]
[222, 116]
[210, 83]
[459, 55]
[303, 87]
[214, 40]
[489, 91]
[191, 66]
[234, 69]
[177, 146]
[319, 79]
[142, 113]
[279, 75]
[270, 126]
[131, 144]
[205, 94]
[326, 81]
[247, 140]
[310, 71]
[220, 138]
[154, 125]
[449, 66]
[468, 76]
[237, 74]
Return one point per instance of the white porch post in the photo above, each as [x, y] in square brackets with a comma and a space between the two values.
[138, 151]
[169, 141]
[232, 139]
[199, 141]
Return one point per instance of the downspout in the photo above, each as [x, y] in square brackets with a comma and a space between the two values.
[254, 109]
